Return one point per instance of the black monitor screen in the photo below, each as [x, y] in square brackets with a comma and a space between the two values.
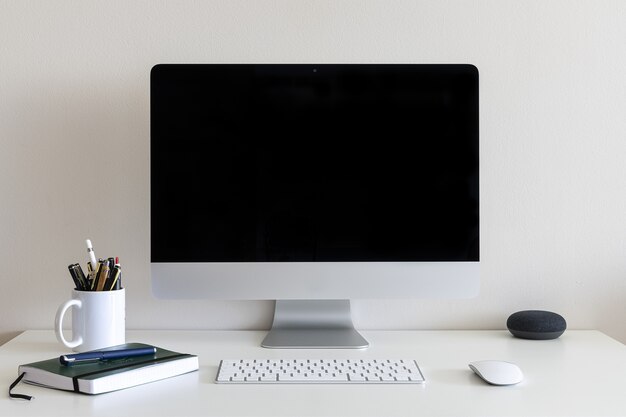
[314, 163]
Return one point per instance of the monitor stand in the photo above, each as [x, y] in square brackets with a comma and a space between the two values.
[313, 324]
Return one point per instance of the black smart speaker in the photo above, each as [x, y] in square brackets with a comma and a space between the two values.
[536, 325]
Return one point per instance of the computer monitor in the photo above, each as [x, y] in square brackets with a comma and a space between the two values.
[313, 185]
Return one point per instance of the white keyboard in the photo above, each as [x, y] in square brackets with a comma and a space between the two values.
[304, 371]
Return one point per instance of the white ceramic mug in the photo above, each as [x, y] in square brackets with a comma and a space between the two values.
[98, 320]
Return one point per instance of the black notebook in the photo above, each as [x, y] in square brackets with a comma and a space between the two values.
[105, 376]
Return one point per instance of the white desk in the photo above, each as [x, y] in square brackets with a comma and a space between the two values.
[582, 373]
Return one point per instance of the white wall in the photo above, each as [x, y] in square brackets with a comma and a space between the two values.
[74, 140]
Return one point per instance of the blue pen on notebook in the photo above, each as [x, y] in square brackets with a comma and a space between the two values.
[105, 355]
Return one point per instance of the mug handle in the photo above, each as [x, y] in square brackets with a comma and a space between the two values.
[58, 323]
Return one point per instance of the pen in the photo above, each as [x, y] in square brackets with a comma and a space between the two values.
[79, 277]
[85, 357]
[84, 283]
[90, 275]
[117, 284]
[96, 275]
[72, 270]
[92, 255]
[113, 279]
[103, 274]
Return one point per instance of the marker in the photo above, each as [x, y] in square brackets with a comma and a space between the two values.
[77, 358]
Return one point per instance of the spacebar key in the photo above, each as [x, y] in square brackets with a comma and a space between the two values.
[309, 379]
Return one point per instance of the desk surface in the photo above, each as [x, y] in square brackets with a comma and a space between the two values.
[579, 374]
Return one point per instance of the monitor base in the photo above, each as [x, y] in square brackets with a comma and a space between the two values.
[313, 324]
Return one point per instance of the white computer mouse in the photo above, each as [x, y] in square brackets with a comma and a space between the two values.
[497, 372]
